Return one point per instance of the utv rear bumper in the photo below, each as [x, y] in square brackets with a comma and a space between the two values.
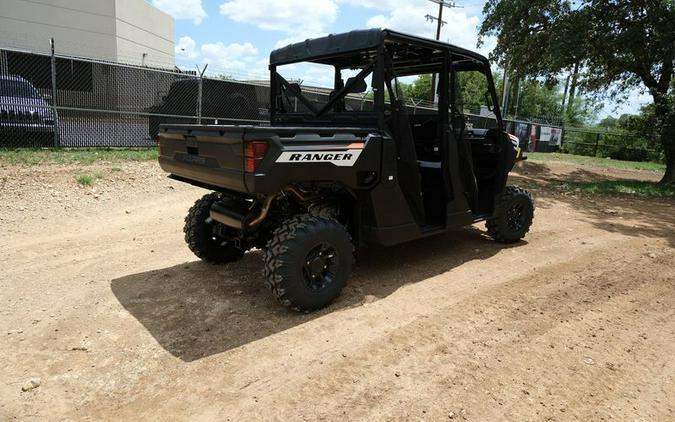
[200, 170]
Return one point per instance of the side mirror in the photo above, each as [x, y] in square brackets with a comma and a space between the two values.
[358, 88]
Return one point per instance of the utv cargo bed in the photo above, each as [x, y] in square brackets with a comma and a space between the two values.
[238, 158]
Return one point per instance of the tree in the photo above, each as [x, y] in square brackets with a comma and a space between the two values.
[419, 89]
[472, 89]
[615, 45]
[536, 99]
[609, 122]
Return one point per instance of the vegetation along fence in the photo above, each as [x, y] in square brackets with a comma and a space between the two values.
[612, 144]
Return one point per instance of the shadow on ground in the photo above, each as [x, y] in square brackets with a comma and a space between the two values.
[196, 310]
[630, 216]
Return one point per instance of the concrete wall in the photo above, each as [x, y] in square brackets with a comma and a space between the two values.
[129, 31]
[81, 28]
[145, 35]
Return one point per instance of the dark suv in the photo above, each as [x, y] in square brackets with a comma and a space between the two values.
[223, 101]
[26, 117]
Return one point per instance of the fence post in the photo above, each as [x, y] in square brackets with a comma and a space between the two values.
[57, 135]
[199, 100]
[200, 96]
[597, 141]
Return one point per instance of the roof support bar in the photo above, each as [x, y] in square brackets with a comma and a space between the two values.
[297, 94]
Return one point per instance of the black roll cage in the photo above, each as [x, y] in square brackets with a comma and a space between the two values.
[335, 97]
[384, 53]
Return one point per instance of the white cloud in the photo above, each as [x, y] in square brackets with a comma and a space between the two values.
[182, 9]
[460, 29]
[316, 75]
[290, 16]
[186, 48]
[298, 38]
[238, 60]
[382, 4]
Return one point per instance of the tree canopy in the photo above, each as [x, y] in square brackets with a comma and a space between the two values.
[536, 99]
[615, 46]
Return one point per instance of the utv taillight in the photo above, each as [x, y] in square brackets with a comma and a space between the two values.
[254, 152]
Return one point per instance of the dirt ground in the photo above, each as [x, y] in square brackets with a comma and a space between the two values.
[105, 308]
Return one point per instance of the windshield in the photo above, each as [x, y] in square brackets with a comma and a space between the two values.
[17, 89]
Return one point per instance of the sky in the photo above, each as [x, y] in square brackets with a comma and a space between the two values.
[235, 37]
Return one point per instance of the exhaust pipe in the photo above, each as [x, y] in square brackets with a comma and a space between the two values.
[263, 213]
[236, 213]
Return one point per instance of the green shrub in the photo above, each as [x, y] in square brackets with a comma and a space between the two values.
[84, 179]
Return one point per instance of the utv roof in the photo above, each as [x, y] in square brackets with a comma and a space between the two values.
[330, 49]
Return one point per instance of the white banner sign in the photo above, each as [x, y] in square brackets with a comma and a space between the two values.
[545, 134]
[556, 136]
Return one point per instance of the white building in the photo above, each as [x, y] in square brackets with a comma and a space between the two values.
[128, 31]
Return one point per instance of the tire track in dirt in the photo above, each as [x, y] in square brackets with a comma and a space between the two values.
[462, 355]
[467, 324]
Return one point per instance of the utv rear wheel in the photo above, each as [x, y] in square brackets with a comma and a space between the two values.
[513, 216]
[308, 261]
[201, 235]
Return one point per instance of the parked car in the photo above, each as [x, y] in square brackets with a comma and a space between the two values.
[26, 116]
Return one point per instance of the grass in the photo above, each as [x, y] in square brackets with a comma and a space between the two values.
[87, 180]
[83, 156]
[594, 161]
[84, 179]
[622, 188]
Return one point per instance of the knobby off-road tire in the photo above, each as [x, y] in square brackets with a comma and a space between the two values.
[325, 210]
[200, 238]
[308, 261]
[513, 216]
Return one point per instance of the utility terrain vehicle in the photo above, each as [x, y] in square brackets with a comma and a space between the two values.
[328, 175]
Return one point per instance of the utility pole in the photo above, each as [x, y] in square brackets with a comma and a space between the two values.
[441, 4]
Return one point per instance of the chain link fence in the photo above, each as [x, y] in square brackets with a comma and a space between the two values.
[617, 145]
[52, 100]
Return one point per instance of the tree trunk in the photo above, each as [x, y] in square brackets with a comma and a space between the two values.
[669, 176]
[573, 87]
[567, 87]
[664, 110]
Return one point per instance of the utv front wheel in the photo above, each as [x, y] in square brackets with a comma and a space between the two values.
[201, 235]
[512, 217]
[308, 261]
